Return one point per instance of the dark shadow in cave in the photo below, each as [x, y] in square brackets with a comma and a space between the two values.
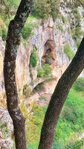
[49, 56]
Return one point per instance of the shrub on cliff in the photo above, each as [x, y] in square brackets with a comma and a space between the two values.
[45, 71]
[40, 72]
[46, 8]
[54, 5]
[76, 34]
[8, 8]
[27, 30]
[34, 58]
[41, 8]
[76, 26]
[3, 29]
[68, 51]
[60, 27]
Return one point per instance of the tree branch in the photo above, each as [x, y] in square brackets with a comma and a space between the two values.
[58, 98]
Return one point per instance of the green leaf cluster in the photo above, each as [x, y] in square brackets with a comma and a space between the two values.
[76, 26]
[27, 30]
[8, 8]
[45, 71]
[71, 120]
[34, 58]
[79, 85]
[60, 27]
[68, 51]
[46, 8]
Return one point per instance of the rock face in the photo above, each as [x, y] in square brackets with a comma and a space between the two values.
[22, 73]
[2, 48]
[43, 40]
[6, 130]
[47, 39]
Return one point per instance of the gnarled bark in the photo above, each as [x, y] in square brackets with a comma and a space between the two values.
[58, 98]
[13, 40]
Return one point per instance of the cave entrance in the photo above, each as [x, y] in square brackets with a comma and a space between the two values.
[49, 56]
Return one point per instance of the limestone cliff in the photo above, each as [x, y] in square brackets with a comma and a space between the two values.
[48, 38]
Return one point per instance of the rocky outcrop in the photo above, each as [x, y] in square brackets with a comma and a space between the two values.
[2, 49]
[42, 40]
[6, 130]
[22, 70]
[48, 39]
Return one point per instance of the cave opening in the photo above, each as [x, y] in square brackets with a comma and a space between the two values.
[49, 55]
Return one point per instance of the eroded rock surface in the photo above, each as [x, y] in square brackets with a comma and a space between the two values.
[47, 39]
[6, 130]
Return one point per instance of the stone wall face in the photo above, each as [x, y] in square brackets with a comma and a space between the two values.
[2, 49]
[44, 33]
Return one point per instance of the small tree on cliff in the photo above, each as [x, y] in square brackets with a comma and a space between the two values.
[61, 91]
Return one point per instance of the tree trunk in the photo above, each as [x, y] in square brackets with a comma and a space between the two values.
[13, 40]
[58, 98]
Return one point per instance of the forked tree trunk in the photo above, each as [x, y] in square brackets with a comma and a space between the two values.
[13, 40]
[58, 98]
[59, 95]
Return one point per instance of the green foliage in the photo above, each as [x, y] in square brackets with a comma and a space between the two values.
[27, 90]
[8, 8]
[76, 34]
[30, 24]
[69, 114]
[60, 27]
[74, 4]
[78, 144]
[3, 30]
[68, 51]
[76, 101]
[55, 145]
[45, 71]
[41, 8]
[54, 5]
[7, 12]
[64, 20]
[46, 8]
[2, 124]
[40, 72]
[24, 88]
[34, 58]
[76, 26]
[39, 87]
[76, 15]
[4, 34]
[34, 120]
[71, 118]
[48, 59]
[4, 128]
[43, 98]
[79, 85]
[61, 17]
[70, 121]
[48, 56]
[27, 30]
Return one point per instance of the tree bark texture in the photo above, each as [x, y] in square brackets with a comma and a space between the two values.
[58, 98]
[12, 42]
